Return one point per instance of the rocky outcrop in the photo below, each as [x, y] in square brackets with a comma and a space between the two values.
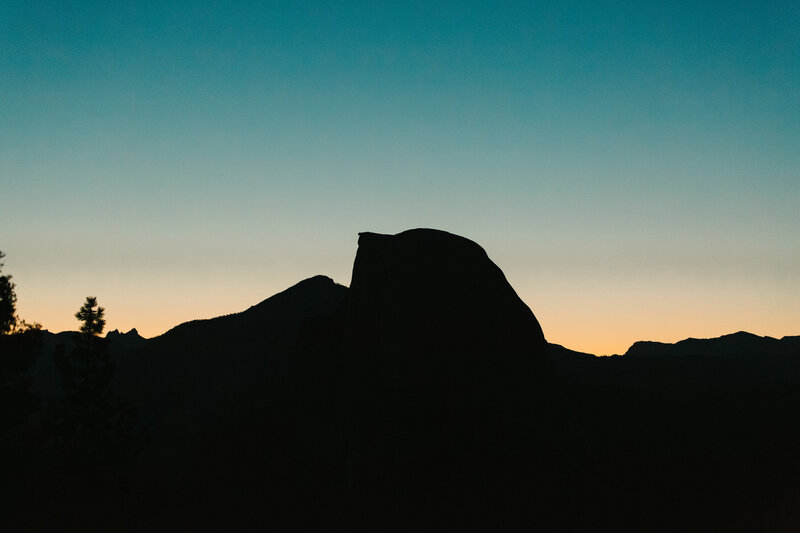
[430, 308]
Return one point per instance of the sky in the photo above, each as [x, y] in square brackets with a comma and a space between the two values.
[633, 167]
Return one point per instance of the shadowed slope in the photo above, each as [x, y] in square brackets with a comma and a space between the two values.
[205, 365]
[208, 391]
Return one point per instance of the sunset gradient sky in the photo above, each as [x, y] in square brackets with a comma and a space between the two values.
[633, 167]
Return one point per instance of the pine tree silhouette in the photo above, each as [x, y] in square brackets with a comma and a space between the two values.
[95, 434]
[8, 299]
[20, 432]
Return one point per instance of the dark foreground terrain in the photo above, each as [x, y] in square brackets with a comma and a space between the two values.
[424, 397]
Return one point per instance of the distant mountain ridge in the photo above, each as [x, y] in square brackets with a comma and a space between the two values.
[217, 361]
[724, 345]
[734, 344]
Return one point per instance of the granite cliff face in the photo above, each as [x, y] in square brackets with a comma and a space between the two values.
[437, 391]
[430, 308]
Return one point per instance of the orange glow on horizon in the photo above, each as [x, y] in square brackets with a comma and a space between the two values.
[590, 318]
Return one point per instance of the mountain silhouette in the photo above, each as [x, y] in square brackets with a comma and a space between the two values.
[427, 387]
[204, 376]
[733, 345]
[425, 397]
[425, 304]
[424, 379]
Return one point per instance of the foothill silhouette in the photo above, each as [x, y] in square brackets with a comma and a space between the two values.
[423, 397]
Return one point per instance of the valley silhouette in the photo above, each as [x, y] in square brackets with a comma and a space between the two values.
[423, 397]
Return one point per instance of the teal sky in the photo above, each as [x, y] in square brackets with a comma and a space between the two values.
[633, 168]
